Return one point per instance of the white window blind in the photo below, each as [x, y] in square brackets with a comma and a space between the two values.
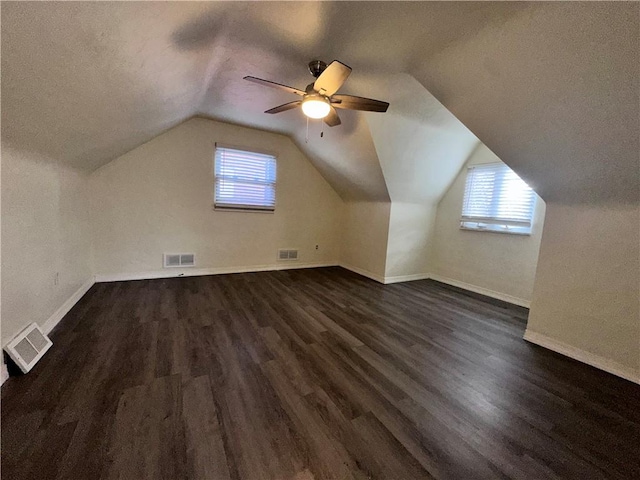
[496, 199]
[244, 180]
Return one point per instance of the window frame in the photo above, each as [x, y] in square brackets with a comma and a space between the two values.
[494, 224]
[225, 207]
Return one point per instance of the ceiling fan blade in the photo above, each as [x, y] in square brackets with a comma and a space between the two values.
[349, 102]
[279, 86]
[332, 78]
[285, 107]
[332, 119]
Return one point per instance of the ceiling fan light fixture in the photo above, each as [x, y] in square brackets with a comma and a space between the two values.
[316, 106]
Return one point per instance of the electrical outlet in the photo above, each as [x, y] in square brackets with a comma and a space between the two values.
[316, 247]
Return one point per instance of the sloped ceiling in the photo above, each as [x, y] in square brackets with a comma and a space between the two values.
[86, 82]
[420, 144]
[553, 92]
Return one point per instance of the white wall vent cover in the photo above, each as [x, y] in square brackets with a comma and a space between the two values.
[172, 260]
[28, 347]
[287, 254]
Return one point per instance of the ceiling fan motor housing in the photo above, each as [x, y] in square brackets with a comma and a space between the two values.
[316, 67]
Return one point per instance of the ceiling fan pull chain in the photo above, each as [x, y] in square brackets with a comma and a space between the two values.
[306, 138]
[322, 131]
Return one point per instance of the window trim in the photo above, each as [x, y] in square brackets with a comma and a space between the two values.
[222, 207]
[493, 224]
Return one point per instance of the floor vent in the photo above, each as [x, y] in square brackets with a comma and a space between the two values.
[172, 260]
[287, 254]
[28, 347]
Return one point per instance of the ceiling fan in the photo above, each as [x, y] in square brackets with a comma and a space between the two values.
[320, 100]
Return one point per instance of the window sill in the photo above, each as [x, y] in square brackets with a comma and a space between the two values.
[493, 230]
[241, 210]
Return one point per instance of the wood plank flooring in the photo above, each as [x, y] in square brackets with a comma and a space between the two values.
[309, 374]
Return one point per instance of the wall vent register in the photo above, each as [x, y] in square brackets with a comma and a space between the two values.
[285, 254]
[28, 347]
[173, 260]
[497, 200]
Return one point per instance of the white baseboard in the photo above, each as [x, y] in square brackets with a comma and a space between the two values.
[407, 278]
[363, 272]
[4, 373]
[482, 291]
[533, 337]
[583, 356]
[59, 314]
[198, 272]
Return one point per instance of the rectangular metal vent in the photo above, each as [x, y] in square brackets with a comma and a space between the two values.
[28, 347]
[287, 254]
[187, 259]
[172, 260]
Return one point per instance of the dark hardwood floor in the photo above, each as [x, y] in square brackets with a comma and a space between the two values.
[309, 374]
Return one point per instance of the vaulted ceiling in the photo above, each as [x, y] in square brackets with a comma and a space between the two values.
[552, 89]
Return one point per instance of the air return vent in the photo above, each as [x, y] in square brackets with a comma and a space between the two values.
[287, 254]
[172, 260]
[28, 347]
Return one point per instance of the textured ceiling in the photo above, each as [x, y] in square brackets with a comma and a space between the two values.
[551, 89]
[555, 92]
[86, 82]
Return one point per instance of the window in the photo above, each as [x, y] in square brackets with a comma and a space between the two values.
[497, 200]
[244, 180]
